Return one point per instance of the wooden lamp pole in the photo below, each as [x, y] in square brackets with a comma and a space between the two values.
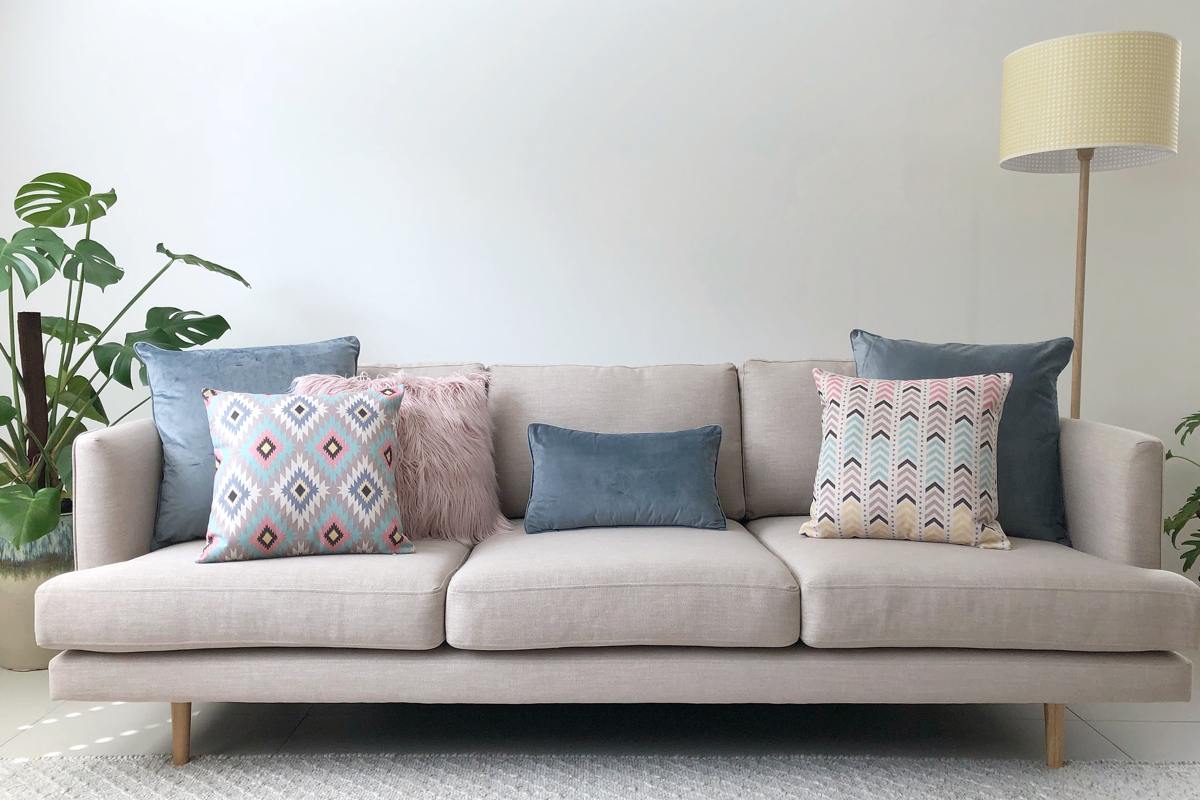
[1085, 175]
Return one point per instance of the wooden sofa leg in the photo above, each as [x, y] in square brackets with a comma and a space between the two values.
[181, 733]
[1056, 732]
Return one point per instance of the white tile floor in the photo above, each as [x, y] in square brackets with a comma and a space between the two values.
[33, 726]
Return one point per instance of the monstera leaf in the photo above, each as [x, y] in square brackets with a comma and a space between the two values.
[33, 254]
[67, 331]
[25, 515]
[197, 261]
[62, 457]
[115, 360]
[78, 395]
[166, 327]
[58, 200]
[94, 263]
[7, 411]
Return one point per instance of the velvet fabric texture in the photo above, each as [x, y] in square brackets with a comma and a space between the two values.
[1029, 475]
[589, 480]
[177, 380]
[446, 479]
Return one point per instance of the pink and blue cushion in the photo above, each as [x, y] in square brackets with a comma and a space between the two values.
[304, 475]
[909, 459]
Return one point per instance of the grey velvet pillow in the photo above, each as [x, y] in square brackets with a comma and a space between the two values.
[177, 378]
[1028, 472]
[589, 480]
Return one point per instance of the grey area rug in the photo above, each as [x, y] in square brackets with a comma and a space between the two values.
[480, 777]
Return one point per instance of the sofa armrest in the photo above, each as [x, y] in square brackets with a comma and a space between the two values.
[115, 496]
[1113, 483]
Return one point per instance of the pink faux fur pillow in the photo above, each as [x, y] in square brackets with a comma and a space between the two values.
[446, 479]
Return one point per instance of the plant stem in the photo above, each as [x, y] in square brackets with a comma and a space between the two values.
[7, 357]
[72, 421]
[117, 318]
[12, 362]
[1190, 461]
[62, 349]
[72, 324]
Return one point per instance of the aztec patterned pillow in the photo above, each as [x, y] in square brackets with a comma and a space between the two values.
[909, 459]
[303, 475]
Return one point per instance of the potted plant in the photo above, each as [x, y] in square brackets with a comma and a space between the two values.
[1175, 524]
[58, 369]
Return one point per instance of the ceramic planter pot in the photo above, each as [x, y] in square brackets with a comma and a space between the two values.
[22, 571]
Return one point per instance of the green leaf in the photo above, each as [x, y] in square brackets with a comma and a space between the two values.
[64, 330]
[58, 200]
[1191, 553]
[196, 261]
[1187, 426]
[167, 327]
[33, 254]
[8, 412]
[92, 260]
[1190, 510]
[115, 360]
[77, 395]
[25, 515]
[64, 465]
[62, 457]
[179, 330]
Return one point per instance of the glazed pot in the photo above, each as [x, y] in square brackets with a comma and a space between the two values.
[22, 571]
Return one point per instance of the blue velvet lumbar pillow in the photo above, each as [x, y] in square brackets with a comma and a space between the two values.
[1029, 476]
[177, 381]
[591, 480]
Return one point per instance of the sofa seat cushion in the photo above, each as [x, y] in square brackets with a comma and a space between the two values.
[166, 601]
[597, 587]
[1037, 596]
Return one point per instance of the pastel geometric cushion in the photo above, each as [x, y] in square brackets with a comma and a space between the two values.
[909, 459]
[303, 475]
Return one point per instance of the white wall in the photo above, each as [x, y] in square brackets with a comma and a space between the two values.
[616, 181]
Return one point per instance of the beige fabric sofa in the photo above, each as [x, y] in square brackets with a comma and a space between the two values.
[753, 614]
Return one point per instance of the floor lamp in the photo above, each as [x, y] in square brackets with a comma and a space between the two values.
[1095, 101]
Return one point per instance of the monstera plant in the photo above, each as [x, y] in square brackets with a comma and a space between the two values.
[59, 366]
[1189, 512]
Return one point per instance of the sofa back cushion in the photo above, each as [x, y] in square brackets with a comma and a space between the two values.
[423, 370]
[781, 426]
[615, 400]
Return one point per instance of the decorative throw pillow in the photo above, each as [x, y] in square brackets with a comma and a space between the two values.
[1028, 472]
[589, 480]
[301, 475]
[446, 481]
[909, 459]
[177, 378]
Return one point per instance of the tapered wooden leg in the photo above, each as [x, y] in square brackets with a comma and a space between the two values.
[181, 733]
[1056, 731]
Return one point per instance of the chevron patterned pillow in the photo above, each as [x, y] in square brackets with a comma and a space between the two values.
[909, 459]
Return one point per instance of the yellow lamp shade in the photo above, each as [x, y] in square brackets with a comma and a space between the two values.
[1115, 92]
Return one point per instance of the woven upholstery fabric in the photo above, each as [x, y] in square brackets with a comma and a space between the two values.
[603, 587]
[781, 434]
[613, 400]
[164, 600]
[1035, 596]
[302, 474]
